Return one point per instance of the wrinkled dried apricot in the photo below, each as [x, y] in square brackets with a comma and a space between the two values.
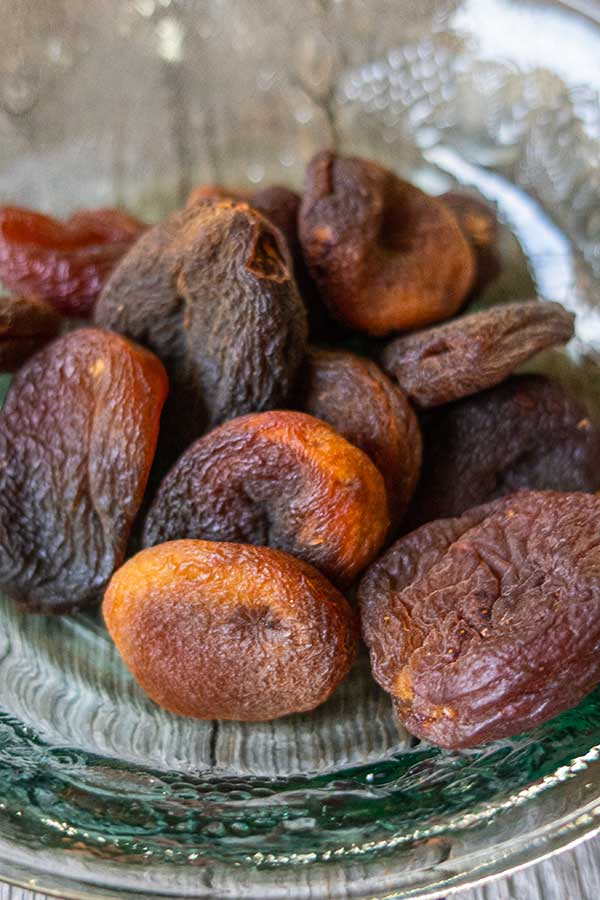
[77, 436]
[209, 290]
[356, 398]
[278, 204]
[475, 352]
[384, 255]
[484, 626]
[526, 433]
[281, 206]
[282, 479]
[479, 224]
[230, 631]
[65, 263]
[25, 326]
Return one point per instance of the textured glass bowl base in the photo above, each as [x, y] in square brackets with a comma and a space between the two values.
[103, 794]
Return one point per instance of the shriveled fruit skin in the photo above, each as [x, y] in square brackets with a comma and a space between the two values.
[526, 433]
[356, 398]
[385, 256]
[475, 352]
[209, 290]
[484, 626]
[277, 203]
[280, 205]
[479, 224]
[77, 436]
[230, 631]
[65, 263]
[282, 479]
[25, 326]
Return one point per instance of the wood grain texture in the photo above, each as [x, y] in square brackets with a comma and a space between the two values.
[573, 875]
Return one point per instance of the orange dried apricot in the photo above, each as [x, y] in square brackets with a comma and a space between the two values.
[282, 479]
[229, 631]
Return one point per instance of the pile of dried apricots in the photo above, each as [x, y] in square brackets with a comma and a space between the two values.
[452, 500]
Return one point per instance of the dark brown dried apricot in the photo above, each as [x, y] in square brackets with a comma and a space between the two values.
[384, 255]
[484, 626]
[475, 352]
[230, 631]
[25, 326]
[526, 433]
[356, 398]
[65, 263]
[209, 290]
[277, 203]
[282, 479]
[281, 206]
[479, 224]
[77, 436]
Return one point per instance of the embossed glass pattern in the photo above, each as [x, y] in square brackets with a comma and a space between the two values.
[102, 794]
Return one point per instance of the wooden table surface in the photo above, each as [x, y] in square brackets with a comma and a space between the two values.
[573, 875]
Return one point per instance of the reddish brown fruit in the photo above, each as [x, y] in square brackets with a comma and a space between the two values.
[282, 479]
[230, 631]
[385, 256]
[25, 326]
[354, 396]
[65, 263]
[77, 436]
[525, 433]
[475, 352]
[484, 626]
[209, 290]
[479, 224]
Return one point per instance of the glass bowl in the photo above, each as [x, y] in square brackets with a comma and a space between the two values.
[103, 794]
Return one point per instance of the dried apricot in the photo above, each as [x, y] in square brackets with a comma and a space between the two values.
[65, 263]
[475, 352]
[278, 203]
[354, 396]
[525, 433]
[281, 206]
[77, 436]
[25, 326]
[479, 224]
[384, 255]
[282, 479]
[209, 290]
[230, 631]
[484, 626]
